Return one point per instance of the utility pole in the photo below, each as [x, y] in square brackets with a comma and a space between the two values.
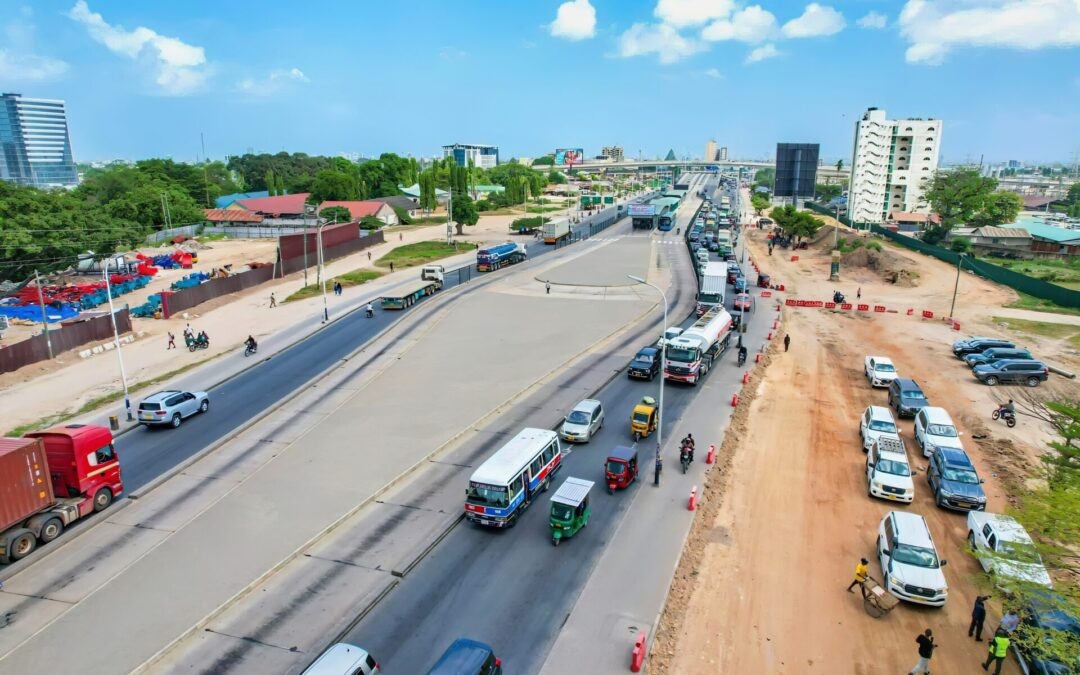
[44, 319]
[116, 337]
[959, 264]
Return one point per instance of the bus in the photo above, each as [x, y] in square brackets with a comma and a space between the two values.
[667, 208]
[508, 481]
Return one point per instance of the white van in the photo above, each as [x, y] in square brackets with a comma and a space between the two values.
[583, 421]
[344, 659]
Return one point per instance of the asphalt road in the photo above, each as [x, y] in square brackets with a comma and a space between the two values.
[149, 453]
[512, 588]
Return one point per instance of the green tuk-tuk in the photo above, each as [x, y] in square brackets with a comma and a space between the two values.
[569, 508]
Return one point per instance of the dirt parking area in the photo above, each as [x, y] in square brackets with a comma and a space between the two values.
[768, 595]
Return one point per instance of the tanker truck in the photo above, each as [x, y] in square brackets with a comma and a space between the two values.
[501, 255]
[691, 355]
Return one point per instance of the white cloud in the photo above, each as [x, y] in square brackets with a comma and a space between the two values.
[713, 73]
[873, 20]
[176, 67]
[752, 24]
[935, 27]
[18, 60]
[277, 81]
[683, 13]
[816, 21]
[766, 51]
[660, 39]
[575, 20]
[453, 54]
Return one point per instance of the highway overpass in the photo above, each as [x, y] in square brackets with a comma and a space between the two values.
[698, 165]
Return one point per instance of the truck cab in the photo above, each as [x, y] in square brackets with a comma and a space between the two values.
[82, 463]
[432, 272]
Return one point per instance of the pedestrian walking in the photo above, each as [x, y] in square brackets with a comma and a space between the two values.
[273, 300]
[862, 570]
[926, 650]
[188, 333]
[172, 342]
[787, 341]
[978, 616]
[1009, 622]
[658, 470]
[369, 256]
[391, 265]
[547, 287]
[999, 648]
[858, 293]
[400, 236]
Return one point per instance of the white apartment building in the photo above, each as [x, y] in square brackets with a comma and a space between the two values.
[710, 151]
[890, 162]
[482, 156]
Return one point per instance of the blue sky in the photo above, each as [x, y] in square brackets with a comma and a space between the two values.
[329, 76]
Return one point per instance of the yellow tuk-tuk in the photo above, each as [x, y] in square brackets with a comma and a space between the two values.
[643, 419]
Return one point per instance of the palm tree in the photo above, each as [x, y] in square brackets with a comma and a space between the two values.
[839, 165]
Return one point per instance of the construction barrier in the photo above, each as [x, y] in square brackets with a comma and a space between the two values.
[766, 294]
[637, 656]
[711, 457]
[734, 400]
[692, 504]
[746, 377]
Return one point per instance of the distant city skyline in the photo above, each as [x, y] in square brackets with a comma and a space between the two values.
[152, 79]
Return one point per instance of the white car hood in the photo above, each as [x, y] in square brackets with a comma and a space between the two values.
[892, 480]
[1029, 572]
[918, 576]
[576, 429]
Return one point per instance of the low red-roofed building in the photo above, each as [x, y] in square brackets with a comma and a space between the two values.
[227, 217]
[364, 209]
[281, 207]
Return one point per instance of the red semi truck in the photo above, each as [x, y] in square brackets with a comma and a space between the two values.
[49, 479]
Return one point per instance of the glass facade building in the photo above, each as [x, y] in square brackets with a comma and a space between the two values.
[796, 170]
[35, 148]
[483, 156]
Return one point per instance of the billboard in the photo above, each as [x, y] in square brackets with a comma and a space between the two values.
[640, 209]
[796, 170]
[565, 156]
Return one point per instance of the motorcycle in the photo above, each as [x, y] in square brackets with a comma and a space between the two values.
[197, 343]
[838, 297]
[1002, 413]
[684, 459]
[742, 356]
[250, 349]
[369, 312]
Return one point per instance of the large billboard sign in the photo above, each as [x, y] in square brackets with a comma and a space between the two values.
[569, 156]
[641, 209]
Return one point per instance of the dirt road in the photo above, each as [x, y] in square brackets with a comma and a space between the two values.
[769, 595]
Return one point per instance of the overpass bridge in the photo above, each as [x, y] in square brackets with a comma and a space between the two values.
[824, 171]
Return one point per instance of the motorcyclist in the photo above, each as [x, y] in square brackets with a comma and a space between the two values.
[369, 310]
[742, 354]
[1008, 409]
[203, 338]
[251, 344]
[685, 455]
[688, 444]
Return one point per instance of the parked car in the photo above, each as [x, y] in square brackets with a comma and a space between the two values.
[876, 421]
[1011, 371]
[740, 284]
[172, 407]
[910, 567]
[1045, 612]
[953, 480]
[879, 370]
[935, 429]
[991, 355]
[1004, 548]
[906, 397]
[467, 657]
[583, 421]
[888, 474]
[743, 301]
[974, 345]
[344, 659]
[646, 365]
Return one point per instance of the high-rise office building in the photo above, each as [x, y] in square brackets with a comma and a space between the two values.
[723, 154]
[796, 170]
[710, 151]
[482, 156]
[889, 164]
[613, 152]
[35, 148]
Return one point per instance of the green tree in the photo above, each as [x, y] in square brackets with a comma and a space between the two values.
[1073, 196]
[427, 190]
[960, 245]
[765, 178]
[999, 208]
[826, 192]
[465, 211]
[956, 196]
[543, 161]
[338, 214]
[839, 165]
[279, 185]
[271, 186]
[759, 203]
[795, 223]
[556, 177]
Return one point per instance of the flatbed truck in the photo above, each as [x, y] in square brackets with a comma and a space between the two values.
[430, 282]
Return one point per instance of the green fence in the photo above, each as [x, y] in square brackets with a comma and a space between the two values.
[814, 206]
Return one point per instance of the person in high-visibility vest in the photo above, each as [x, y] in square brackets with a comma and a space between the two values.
[999, 648]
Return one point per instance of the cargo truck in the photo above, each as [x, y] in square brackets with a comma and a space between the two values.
[494, 257]
[691, 355]
[713, 283]
[556, 230]
[49, 479]
[430, 281]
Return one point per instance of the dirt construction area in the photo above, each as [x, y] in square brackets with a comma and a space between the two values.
[762, 585]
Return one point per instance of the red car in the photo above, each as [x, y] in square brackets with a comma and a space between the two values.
[743, 301]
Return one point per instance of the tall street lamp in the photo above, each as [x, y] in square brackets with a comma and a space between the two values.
[663, 360]
[116, 338]
[322, 267]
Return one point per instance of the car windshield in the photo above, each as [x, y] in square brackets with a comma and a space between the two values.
[913, 394]
[682, 354]
[894, 467]
[959, 475]
[561, 511]
[490, 495]
[884, 368]
[641, 417]
[578, 417]
[915, 555]
[882, 425]
[1020, 551]
[941, 430]
[616, 468]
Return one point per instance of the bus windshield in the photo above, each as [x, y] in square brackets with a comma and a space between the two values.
[488, 495]
[682, 354]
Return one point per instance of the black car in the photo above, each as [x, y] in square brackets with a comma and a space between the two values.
[646, 365]
[1045, 613]
[954, 481]
[1012, 371]
[906, 397]
[962, 348]
[991, 355]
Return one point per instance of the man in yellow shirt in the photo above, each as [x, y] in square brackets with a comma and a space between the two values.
[862, 570]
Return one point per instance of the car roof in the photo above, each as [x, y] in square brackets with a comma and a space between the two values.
[955, 456]
[935, 415]
[462, 657]
[159, 395]
[907, 383]
[881, 359]
[911, 529]
[879, 412]
[651, 351]
[1008, 529]
[340, 658]
[892, 455]
[587, 405]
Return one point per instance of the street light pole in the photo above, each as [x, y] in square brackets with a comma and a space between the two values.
[956, 287]
[322, 270]
[663, 360]
[116, 338]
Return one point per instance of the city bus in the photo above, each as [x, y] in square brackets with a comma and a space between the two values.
[508, 481]
[668, 209]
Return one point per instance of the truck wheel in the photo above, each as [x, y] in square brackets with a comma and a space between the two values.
[21, 543]
[205, 405]
[52, 529]
[176, 420]
[971, 540]
[102, 499]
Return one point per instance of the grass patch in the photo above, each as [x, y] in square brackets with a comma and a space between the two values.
[95, 403]
[422, 252]
[1042, 328]
[1040, 305]
[212, 237]
[354, 278]
[1055, 271]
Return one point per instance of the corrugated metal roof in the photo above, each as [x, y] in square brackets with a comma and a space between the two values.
[225, 200]
[572, 491]
[358, 209]
[1058, 235]
[232, 216]
[279, 205]
[1002, 232]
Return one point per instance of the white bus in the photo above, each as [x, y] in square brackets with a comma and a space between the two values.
[508, 481]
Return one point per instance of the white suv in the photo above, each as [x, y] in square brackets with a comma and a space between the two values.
[935, 429]
[876, 421]
[879, 370]
[888, 474]
[1005, 549]
[909, 560]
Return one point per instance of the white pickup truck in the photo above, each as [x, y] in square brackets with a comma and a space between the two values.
[879, 370]
[1004, 548]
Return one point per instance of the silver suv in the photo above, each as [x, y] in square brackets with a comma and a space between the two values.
[171, 407]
